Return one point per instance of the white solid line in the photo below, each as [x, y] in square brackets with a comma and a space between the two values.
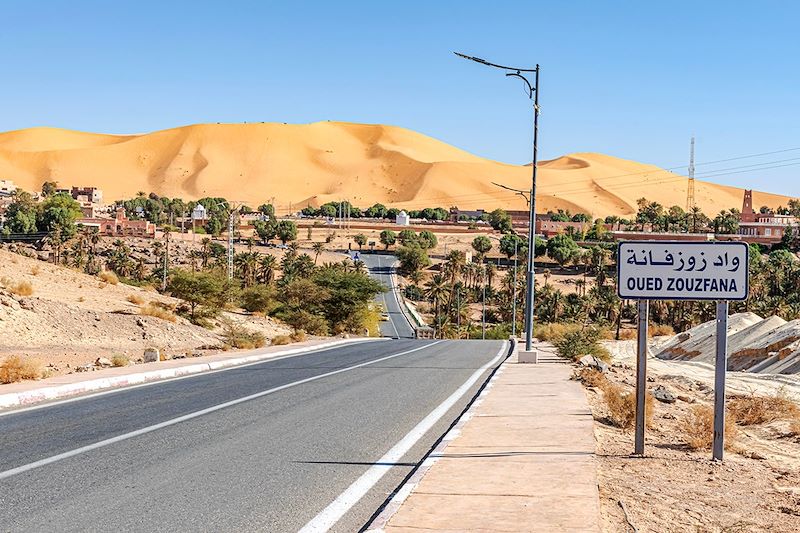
[347, 499]
[386, 304]
[190, 416]
[286, 354]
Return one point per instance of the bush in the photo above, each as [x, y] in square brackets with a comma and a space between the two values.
[135, 299]
[35, 270]
[15, 368]
[579, 342]
[698, 428]
[258, 299]
[753, 409]
[23, 288]
[237, 336]
[659, 330]
[621, 406]
[553, 331]
[158, 311]
[120, 360]
[299, 336]
[591, 377]
[313, 324]
[280, 340]
[108, 277]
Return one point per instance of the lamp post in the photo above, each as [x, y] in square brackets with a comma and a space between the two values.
[533, 94]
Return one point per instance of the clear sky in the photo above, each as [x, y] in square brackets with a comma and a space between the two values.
[631, 79]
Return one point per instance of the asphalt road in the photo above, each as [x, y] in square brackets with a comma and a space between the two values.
[381, 267]
[265, 461]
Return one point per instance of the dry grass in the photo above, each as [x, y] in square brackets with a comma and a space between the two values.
[108, 277]
[553, 331]
[23, 288]
[754, 409]
[135, 299]
[15, 368]
[237, 336]
[627, 334]
[280, 340]
[81, 299]
[591, 377]
[298, 335]
[120, 360]
[155, 310]
[621, 406]
[697, 428]
[35, 270]
[659, 330]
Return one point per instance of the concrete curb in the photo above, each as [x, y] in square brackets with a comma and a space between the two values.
[62, 391]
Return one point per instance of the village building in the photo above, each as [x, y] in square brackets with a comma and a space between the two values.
[87, 194]
[7, 187]
[763, 228]
[120, 225]
[402, 219]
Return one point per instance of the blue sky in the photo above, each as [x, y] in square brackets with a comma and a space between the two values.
[630, 79]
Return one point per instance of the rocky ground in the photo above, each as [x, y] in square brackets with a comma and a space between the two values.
[674, 488]
[69, 319]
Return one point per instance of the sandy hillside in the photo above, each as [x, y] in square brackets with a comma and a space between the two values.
[73, 318]
[314, 163]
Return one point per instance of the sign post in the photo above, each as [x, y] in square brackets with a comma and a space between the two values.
[683, 270]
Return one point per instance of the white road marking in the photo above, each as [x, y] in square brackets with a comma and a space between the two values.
[190, 416]
[386, 304]
[296, 352]
[347, 499]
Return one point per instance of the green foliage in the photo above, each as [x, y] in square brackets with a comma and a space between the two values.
[576, 343]
[500, 220]
[427, 239]
[482, 245]
[286, 230]
[258, 299]
[360, 239]
[407, 237]
[59, 213]
[413, 258]
[209, 290]
[22, 214]
[49, 188]
[388, 238]
[510, 241]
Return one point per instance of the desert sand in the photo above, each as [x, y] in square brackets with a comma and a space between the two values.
[297, 165]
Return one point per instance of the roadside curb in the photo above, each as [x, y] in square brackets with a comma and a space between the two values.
[72, 389]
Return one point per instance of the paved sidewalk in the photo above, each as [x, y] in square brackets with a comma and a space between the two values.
[524, 461]
[63, 386]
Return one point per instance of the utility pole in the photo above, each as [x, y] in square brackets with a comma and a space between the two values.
[690, 200]
[230, 243]
[533, 94]
[166, 262]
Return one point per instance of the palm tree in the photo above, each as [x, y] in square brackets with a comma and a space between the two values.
[361, 267]
[205, 251]
[267, 266]
[318, 248]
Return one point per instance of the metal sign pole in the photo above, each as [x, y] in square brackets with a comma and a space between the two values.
[720, 368]
[641, 374]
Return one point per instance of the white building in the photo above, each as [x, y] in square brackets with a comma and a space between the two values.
[199, 212]
[7, 187]
[402, 219]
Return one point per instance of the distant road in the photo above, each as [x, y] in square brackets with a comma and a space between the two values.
[381, 267]
[264, 447]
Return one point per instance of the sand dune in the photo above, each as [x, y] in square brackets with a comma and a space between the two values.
[315, 163]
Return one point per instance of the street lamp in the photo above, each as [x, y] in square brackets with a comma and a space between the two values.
[533, 94]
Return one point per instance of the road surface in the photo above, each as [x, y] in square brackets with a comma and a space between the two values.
[381, 267]
[263, 447]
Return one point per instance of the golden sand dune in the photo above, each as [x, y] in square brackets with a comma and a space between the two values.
[314, 163]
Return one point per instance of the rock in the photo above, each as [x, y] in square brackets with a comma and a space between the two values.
[140, 322]
[661, 394]
[686, 399]
[152, 355]
[103, 361]
[84, 368]
[593, 362]
[26, 304]
[651, 379]
[165, 357]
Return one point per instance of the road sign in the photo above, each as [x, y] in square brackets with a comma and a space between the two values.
[654, 270]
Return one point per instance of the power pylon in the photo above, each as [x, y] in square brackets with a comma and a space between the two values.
[690, 200]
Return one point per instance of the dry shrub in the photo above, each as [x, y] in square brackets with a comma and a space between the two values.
[298, 335]
[15, 368]
[794, 428]
[108, 277]
[553, 331]
[81, 299]
[152, 309]
[753, 409]
[280, 340]
[120, 360]
[621, 406]
[35, 269]
[135, 299]
[23, 288]
[659, 330]
[698, 428]
[591, 377]
[237, 336]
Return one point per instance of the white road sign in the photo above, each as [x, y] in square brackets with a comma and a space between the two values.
[651, 270]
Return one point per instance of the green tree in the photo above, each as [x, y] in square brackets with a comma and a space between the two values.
[199, 288]
[49, 188]
[482, 245]
[286, 230]
[60, 211]
[510, 241]
[427, 239]
[388, 238]
[360, 239]
[22, 214]
[407, 237]
[258, 299]
[413, 258]
[500, 220]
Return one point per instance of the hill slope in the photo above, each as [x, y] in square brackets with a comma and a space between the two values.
[315, 163]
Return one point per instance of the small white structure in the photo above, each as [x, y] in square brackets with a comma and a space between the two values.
[199, 212]
[7, 187]
[402, 219]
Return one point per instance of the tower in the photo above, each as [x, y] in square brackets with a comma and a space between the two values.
[690, 201]
[748, 213]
